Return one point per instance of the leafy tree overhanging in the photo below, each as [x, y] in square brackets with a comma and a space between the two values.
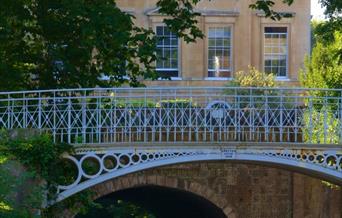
[74, 43]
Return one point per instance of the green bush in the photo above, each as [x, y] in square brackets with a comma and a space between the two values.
[253, 78]
[178, 103]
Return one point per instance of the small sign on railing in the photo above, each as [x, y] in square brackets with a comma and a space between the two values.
[228, 153]
[217, 113]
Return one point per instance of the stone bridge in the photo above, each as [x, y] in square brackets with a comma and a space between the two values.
[125, 131]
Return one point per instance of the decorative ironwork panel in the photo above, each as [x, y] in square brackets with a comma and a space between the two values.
[179, 115]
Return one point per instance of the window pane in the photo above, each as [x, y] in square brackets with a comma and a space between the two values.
[167, 41]
[211, 42]
[174, 42]
[211, 32]
[283, 63]
[219, 52]
[174, 63]
[167, 52]
[275, 29]
[220, 33]
[268, 50]
[168, 73]
[211, 64]
[282, 71]
[167, 64]
[268, 63]
[211, 53]
[219, 42]
[275, 50]
[174, 54]
[160, 30]
[226, 42]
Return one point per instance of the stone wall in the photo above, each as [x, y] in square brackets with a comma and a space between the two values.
[242, 190]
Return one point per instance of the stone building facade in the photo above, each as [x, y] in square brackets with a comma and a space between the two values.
[235, 37]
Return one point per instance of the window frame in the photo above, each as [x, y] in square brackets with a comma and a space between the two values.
[287, 65]
[231, 53]
[179, 77]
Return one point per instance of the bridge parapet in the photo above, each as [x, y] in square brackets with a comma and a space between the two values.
[178, 115]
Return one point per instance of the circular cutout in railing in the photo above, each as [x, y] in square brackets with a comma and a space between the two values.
[69, 170]
[144, 157]
[91, 166]
[311, 158]
[217, 109]
[124, 160]
[320, 159]
[135, 158]
[331, 161]
[109, 162]
[304, 157]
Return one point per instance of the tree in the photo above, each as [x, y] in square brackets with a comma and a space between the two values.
[74, 43]
[60, 43]
[324, 68]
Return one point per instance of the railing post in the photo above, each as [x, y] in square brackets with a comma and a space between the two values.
[266, 118]
[54, 128]
[9, 112]
[99, 120]
[174, 118]
[311, 111]
[340, 118]
[160, 115]
[251, 114]
[69, 118]
[325, 120]
[237, 114]
[197, 126]
[220, 125]
[25, 111]
[205, 125]
[190, 116]
[281, 111]
[39, 112]
[211, 126]
[296, 126]
[84, 118]
[145, 116]
[115, 125]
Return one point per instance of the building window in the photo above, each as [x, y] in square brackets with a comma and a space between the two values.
[219, 52]
[275, 51]
[167, 52]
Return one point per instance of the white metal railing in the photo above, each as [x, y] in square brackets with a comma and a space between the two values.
[178, 114]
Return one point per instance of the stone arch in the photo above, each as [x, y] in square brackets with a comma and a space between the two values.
[139, 179]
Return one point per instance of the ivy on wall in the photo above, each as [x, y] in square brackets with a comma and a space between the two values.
[30, 170]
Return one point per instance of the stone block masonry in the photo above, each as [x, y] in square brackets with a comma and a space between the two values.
[242, 190]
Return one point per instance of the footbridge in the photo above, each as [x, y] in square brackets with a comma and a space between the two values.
[125, 130]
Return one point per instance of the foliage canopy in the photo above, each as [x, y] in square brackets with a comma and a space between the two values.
[324, 68]
[48, 44]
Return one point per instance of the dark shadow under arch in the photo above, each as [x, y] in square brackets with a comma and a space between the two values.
[163, 202]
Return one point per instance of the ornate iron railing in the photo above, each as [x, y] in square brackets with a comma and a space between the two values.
[178, 115]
